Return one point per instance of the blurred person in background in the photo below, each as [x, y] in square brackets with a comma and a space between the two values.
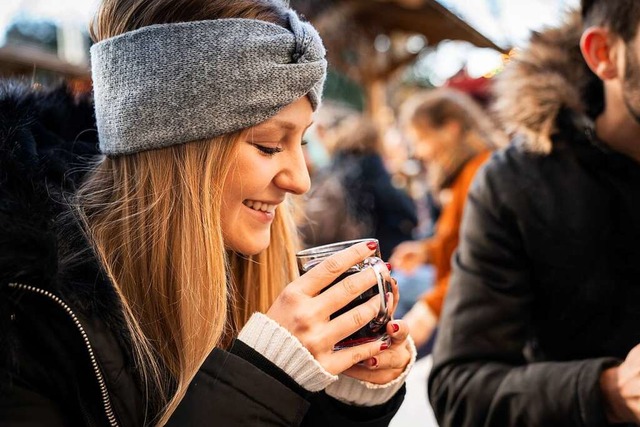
[541, 323]
[371, 206]
[154, 282]
[453, 136]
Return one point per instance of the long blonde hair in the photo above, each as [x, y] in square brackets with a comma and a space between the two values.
[154, 220]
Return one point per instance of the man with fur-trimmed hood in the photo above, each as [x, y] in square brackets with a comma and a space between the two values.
[541, 326]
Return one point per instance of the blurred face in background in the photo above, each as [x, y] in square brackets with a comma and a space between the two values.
[431, 143]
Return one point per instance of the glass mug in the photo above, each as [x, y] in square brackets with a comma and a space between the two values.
[376, 328]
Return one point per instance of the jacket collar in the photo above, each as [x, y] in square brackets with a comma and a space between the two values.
[544, 79]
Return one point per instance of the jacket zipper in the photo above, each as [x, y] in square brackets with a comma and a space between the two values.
[106, 400]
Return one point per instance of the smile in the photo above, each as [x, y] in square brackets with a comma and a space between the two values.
[259, 206]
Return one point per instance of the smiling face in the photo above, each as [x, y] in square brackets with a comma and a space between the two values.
[268, 164]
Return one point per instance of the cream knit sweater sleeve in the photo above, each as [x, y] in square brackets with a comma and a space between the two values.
[285, 351]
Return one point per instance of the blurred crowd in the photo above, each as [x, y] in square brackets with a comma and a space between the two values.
[404, 185]
[523, 216]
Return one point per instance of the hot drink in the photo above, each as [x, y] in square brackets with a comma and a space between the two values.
[376, 328]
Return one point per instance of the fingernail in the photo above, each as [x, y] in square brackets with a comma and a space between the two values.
[372, 245]
[384, 346]
[373, 362]
[395, 327]
[388, 266]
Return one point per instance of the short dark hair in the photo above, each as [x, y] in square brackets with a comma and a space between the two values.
[620, 16]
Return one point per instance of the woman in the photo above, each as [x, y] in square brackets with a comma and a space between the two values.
[161, 299]
[453, 137]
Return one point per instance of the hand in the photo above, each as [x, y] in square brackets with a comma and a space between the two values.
[305, 312]
[387, 365]
[408, 256]
[620, 387]
[422, 322]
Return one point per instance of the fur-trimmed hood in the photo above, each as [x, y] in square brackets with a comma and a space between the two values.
[48, 141]
[44, 136]
[545, 78]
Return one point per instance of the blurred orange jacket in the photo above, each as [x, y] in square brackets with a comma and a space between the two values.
[441, 246]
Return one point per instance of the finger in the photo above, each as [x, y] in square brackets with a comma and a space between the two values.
[352, 320]
[393, 358]
[351, 356]
[320, 276]
[398, 331]
[383, 376]
[336, 299]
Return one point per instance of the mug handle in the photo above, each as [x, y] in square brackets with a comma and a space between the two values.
[383, 287]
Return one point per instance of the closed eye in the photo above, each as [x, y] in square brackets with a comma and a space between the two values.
[269, 151]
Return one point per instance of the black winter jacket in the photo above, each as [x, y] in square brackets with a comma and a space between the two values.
[65, 354]
[388, 212]
[545, 291]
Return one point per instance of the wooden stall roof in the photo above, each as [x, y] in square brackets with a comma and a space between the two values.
[426, 17]
[25, 59]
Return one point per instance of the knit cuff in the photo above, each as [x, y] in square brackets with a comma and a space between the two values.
[285, 351]
[362, 393]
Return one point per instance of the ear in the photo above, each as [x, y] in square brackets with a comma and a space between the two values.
[599, 50]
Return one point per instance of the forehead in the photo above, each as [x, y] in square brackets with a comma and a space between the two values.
[294, 116]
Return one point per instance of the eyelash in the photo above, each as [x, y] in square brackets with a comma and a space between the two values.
[269, 151]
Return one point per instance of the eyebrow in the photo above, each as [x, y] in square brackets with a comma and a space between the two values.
[281, 124]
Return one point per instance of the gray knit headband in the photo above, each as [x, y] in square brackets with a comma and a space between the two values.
[172, 83]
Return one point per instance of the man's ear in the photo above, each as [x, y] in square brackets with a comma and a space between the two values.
[600, 51]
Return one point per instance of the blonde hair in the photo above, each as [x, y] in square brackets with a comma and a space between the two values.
[154, 221]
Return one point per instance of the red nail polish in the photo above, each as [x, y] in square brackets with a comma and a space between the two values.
[372, 245]
[384, 346]
[374, 362]
[388, 266]
[395, 327]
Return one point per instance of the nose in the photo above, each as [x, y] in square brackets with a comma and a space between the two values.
[294, 176]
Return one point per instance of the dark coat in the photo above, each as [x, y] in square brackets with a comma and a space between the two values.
[388, 213]
[545, 291]
[65, 354]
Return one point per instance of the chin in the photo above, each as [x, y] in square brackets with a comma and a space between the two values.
[251, 246]
[254, 251]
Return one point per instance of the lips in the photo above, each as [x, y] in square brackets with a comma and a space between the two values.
[260, 206]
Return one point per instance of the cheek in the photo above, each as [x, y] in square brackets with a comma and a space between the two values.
[231, 201]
